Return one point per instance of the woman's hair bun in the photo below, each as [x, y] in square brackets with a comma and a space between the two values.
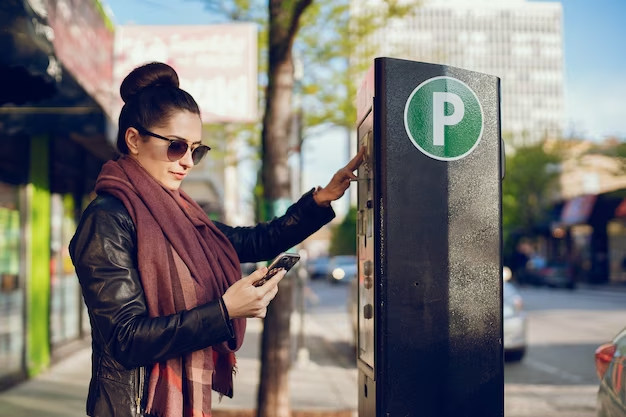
[154, 74]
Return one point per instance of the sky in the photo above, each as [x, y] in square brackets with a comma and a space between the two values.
[595, 51]
[595, 69]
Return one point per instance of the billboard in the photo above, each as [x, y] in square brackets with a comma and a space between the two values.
[578, 210]
[216, 64]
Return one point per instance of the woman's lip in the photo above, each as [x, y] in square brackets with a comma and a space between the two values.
[179, 175]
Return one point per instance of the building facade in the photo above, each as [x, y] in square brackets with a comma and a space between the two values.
[59, 99]
[519, 41]
[54, 137]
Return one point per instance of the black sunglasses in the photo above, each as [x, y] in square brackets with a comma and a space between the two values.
[178, 148]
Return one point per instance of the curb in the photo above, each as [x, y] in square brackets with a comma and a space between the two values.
[294, 413]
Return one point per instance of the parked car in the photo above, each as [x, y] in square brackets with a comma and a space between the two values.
[342, 269]
[557, 275]
[610, 370]
[513, 322]
[514, 318]
[318, 267]
[553, 275]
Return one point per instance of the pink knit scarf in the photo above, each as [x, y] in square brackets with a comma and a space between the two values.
[184, 261]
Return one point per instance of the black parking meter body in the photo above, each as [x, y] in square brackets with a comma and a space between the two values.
[429, 242]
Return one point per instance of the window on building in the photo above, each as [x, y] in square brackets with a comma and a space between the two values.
[11, 285]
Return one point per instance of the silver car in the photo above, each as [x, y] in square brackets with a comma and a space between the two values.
[514, 323]
[610, 366]
[343, 269]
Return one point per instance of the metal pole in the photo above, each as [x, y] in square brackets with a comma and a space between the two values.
[302, 353]
[302, 356]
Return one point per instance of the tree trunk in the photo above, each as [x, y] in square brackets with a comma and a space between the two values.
[273, 396]
[276, 355]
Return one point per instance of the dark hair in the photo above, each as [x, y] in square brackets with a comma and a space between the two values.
[151, 95]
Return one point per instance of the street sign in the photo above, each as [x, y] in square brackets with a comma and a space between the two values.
[444, 118]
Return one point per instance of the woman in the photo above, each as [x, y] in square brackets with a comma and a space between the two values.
[162, 282]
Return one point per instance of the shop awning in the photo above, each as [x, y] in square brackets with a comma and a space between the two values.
[56, 71]
[578, 210]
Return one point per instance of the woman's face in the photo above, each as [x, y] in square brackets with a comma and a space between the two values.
[151, 152]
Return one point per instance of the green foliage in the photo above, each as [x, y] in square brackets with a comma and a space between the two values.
[343, 239]
[336, 45]
[221, 139]
[105, 17]
[531, 174]
[237, 10]
[334, 48]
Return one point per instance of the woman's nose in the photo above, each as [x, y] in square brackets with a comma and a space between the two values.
[187, 159]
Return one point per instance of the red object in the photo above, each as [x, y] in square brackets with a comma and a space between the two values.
[604, 356]
[620, 211]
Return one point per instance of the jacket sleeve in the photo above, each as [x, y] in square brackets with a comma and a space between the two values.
[104, 254]
[266, 240]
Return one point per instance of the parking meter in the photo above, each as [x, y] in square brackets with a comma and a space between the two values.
[429, 242]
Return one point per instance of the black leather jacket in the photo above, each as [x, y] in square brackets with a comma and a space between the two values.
[125, 340]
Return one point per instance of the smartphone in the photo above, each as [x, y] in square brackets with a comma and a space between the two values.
[284, 261]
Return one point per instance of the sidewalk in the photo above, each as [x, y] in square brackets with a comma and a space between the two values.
[324, 387]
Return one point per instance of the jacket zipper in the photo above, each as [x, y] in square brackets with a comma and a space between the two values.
[140, 390]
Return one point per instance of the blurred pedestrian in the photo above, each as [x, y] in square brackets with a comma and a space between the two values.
[162, 282]
[537, 261]
[519, 262]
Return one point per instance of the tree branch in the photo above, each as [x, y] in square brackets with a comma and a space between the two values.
[299, 8]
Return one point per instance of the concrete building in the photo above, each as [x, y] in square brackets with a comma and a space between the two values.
[519, 41]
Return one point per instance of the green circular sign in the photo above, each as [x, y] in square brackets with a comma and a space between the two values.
[444, 118]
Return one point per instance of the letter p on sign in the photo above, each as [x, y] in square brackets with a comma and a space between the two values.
[440, 120]
[444, 132]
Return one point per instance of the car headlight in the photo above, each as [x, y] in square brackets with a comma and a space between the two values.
[506, 273]
[339, 273]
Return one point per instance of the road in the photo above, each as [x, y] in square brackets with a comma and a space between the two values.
[557, 377]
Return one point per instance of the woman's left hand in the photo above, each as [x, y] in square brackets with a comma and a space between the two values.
[340, 181]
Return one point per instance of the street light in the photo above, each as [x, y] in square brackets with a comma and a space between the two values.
[302, 355]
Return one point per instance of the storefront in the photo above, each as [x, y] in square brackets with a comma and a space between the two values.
[54, 138]
[617, 254]
[576, 235]
[617, 244]
[66, 303]
[12, 298]
[594, 233]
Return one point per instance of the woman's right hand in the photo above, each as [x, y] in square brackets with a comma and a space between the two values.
[244, 300]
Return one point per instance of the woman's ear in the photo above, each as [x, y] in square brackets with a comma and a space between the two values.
[132, 140]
